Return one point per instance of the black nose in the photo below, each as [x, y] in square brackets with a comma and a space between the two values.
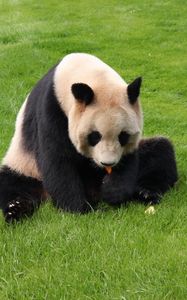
[110, 164]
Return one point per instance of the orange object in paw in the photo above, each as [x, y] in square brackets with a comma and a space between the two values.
[108, 169]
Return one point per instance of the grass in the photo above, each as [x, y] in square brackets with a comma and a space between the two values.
[109, 254]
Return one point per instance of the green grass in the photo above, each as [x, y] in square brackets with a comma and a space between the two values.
[109, 254]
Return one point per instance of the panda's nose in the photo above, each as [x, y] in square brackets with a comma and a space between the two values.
[108, 164]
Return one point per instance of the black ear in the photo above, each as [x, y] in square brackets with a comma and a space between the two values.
[133, 90]
[82, 92]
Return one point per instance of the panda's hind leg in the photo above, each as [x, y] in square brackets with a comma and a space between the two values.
[157, 169]
[20, 196]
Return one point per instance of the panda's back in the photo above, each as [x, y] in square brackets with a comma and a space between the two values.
[85, 68]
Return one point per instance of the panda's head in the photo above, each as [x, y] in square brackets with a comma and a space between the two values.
[105, 125]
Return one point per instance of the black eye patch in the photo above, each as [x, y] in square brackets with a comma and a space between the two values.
[123, 138]
[94, 138]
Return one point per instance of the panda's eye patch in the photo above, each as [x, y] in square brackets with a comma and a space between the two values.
[123, 138]
[94, 138]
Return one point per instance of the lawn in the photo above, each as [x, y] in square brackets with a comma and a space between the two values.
[110, 254]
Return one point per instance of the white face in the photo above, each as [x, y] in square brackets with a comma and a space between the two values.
[106, 135]
[104, 113]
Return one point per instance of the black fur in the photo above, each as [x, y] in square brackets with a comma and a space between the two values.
[82, 92]
[157, 169]
[133, 90]
[123, 138]
[94, 138]
[119, 186]
[74, 183]
[33, 111]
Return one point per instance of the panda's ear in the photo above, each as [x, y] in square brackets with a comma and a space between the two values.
[133, 90]
[82, 92]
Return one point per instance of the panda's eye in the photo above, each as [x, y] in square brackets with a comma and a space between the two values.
[94, 138]
[123, 138]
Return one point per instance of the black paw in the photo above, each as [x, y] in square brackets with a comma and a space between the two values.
[18, 209]
[148, 197]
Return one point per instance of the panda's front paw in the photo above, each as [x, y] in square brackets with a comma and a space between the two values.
[148, 197]
[18, 209]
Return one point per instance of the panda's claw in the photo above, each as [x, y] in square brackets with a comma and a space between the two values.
[17, 209]
[146, 195]
[149, 197]
[10, 213]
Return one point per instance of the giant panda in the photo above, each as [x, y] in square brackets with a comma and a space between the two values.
[80, 119]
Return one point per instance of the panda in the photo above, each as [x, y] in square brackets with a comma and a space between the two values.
[80, 120]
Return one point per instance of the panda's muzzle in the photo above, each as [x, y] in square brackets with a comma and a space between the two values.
[108, 164]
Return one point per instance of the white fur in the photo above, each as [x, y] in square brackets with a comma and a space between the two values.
[17, 158]
[107, 85]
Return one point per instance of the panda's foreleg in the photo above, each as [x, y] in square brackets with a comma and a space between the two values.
[119, 186]
[92, 181]
[20, 196]
[62, 181]
[157, 169]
